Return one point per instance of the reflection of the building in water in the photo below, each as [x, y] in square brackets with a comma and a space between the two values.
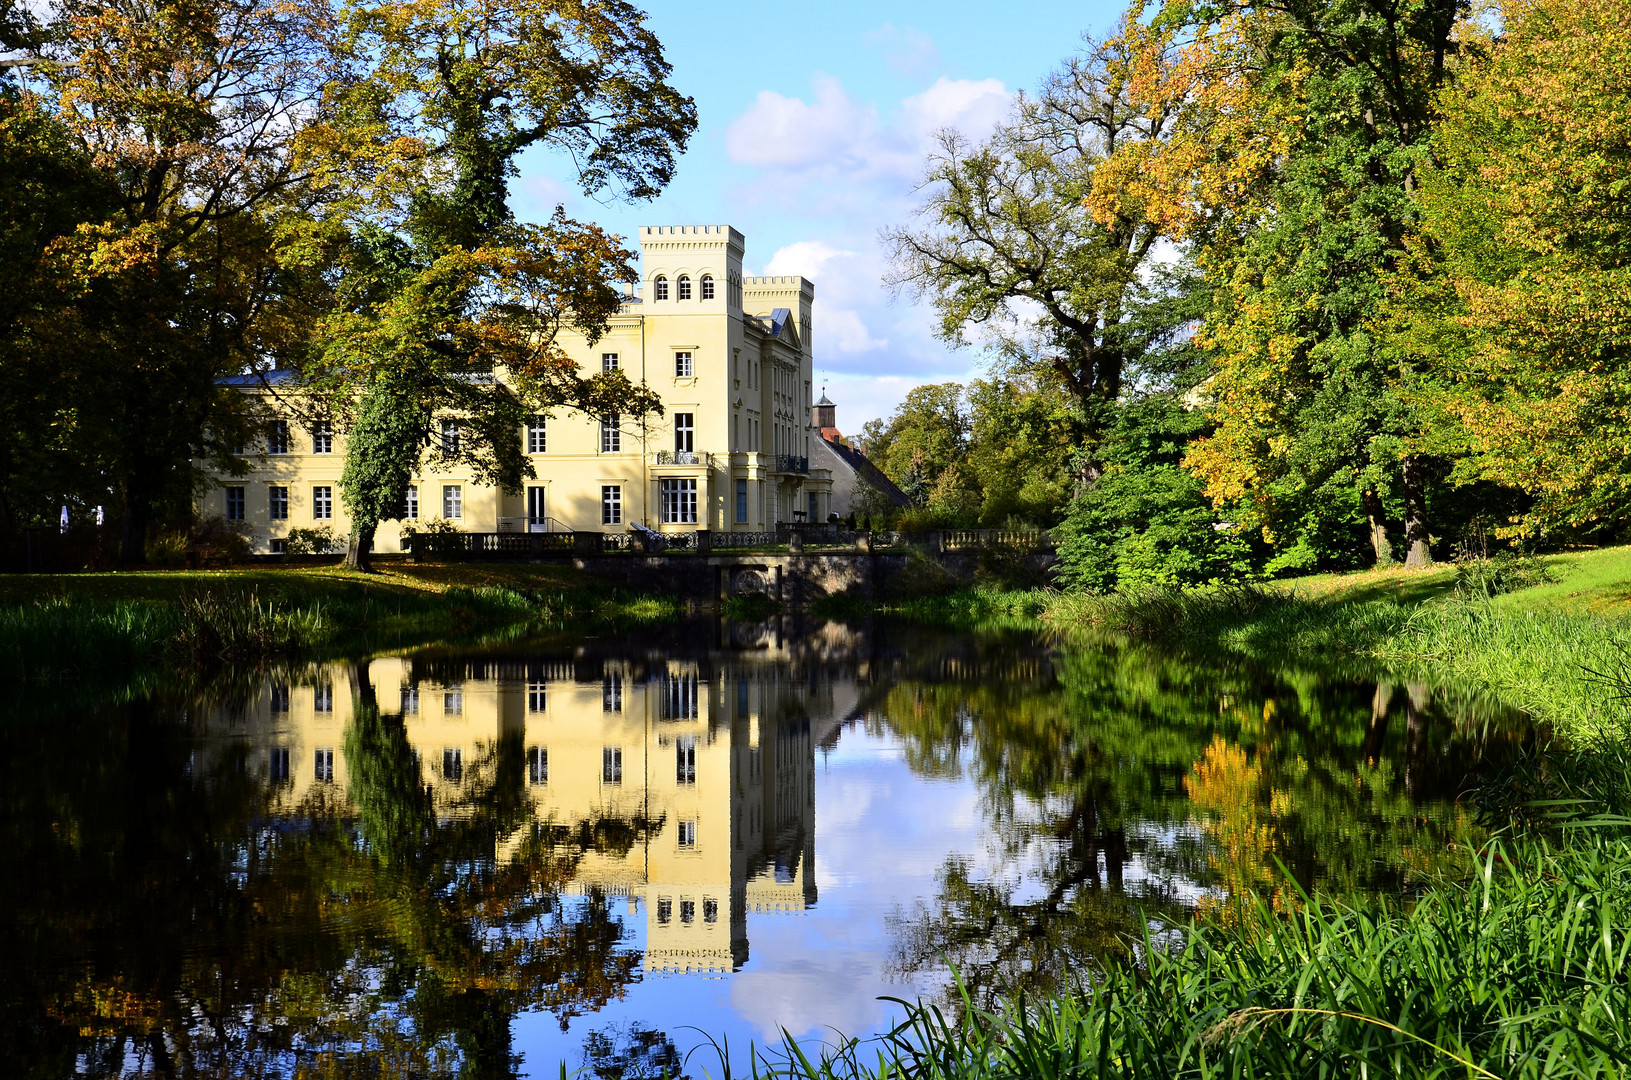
[717, 760]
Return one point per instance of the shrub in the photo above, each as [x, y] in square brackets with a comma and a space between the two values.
[1148, 526]
[318, 541]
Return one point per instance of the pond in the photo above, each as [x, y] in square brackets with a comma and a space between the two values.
[610, 853]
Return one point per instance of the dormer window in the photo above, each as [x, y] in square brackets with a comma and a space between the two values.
[684, 288]
[707, 286]
[659, 289]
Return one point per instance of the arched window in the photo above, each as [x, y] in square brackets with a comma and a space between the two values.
[685, 288]
[659, 289]
[707, 286]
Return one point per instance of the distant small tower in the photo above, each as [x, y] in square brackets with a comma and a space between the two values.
[826, 413]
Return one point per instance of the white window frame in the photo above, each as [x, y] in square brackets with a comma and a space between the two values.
[277, 437]
[679, 500]
[450, 436]
[452, 502]
[611, 433]
[237, 505]
[609, 362]
[537, 436]
[685, 366]
[659, 288]
[322, 502]
[322, 766]
[322, 437]
[611, 504]
[686, 834]
[682, 287]
[277, 502]
[707, 286]
[611, 765]
[538, 766]
[410, 508]
[685, 433]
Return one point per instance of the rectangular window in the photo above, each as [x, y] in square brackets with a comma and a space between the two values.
[608, 361]
[683, 368]
[450, 436]
[322, 697]
[277, 437]
[535, 435]
[688, 908]
[707, 287]
[323, 765]
[322, 437]
[277, 547]
[680, 697]
[235, 504]
[322, 503]
[710, 910]
[537, 766]
[280, 697]
[665, 909]
[410, 511]
[611, 696]
[679, 502]
[611, 435]
[453, 702]
[536, 697]
[611, 765]
[683, 288]
[685, 761]
[688, 838]
[535, 506]
[611, 505]
[685, 433]
[410, 701]
[277, 766]
[452, 501]
[277, 503]
[741, 502]
[452, 764]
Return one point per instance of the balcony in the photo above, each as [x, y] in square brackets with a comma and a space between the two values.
[684, 457]
[790, 464]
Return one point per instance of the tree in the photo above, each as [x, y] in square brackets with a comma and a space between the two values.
[1010, 248]
[1515, 302]
[924, 447]
[188, 112]
[1307, 124]
[445, 303]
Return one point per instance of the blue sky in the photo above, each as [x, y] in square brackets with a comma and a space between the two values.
[813, 123]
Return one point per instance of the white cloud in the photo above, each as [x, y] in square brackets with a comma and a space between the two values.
[907, 50]
[974, 108]
[807, 257]
[778, 132]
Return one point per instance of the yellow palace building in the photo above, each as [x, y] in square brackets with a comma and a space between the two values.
[730, 356]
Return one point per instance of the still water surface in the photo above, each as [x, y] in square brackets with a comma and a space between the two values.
[608, 852]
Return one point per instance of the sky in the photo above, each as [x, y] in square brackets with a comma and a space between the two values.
[813, 124]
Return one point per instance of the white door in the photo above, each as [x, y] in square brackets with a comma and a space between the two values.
[537, 519]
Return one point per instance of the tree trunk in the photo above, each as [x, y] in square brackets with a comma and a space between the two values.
[1417, 555]
[357, 548]
[1377, 516]
[133, 529]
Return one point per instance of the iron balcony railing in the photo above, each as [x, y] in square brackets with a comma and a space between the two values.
[684, 457]
[792, 464]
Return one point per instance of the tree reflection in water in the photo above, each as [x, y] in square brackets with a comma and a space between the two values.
[170, 927]
[1124, 788]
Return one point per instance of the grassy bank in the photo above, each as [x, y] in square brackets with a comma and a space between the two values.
[72, 625]
[1519, 966]
[1553, 641]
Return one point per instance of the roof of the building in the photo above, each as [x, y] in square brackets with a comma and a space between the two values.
[778, 319]
[864, 468]
[275, 377]
[824, 400]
